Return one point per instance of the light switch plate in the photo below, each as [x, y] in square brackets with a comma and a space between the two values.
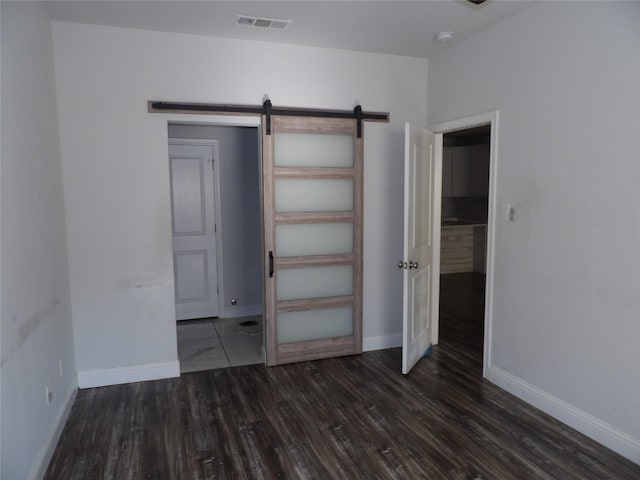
[507, 213]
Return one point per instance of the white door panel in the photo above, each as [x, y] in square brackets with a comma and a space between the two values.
[420, 254]
[194, 231]
[188, 196]
[419, 317]
[191, 269]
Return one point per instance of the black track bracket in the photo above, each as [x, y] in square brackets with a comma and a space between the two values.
[357, 112]
[267, 113]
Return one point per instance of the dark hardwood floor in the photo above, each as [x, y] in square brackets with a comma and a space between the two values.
[350, 418]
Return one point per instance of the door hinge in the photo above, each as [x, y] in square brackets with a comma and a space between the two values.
[215, 228]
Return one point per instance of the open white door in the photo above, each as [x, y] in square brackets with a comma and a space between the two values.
[421, 263]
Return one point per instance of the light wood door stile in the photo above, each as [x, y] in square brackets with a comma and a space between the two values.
[321, 346]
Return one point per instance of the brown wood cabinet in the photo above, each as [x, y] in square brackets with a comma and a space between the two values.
[456, 249]
[463, 248]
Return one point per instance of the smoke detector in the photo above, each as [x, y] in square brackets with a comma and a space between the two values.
[444, 37]
[262, 22]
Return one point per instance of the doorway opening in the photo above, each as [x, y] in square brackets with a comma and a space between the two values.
[216, 210]
[464, 225]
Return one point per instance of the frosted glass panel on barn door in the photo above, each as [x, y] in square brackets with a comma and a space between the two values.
[312, 174]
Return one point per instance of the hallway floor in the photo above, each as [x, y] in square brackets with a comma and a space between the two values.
[210, 343]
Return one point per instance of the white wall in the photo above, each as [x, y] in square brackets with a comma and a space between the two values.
[35, 312]
[566, 325]
[116, 169]
[238, 171]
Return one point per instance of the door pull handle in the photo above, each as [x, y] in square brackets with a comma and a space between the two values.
[413, 264]
[402, 264]
[270, 264]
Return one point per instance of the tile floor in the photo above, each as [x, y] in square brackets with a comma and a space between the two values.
[209, 343]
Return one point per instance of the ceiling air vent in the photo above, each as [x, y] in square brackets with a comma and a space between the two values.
[261, 22]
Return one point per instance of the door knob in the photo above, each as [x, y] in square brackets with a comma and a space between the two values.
[413, 264]
[402, 264]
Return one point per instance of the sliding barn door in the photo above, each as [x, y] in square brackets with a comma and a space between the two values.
[312, 174]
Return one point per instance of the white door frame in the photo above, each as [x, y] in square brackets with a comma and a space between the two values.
[490, 118]
[216, 213]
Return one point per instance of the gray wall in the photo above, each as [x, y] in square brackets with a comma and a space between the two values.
[565, 77]
[116, 172]
[35, 314]
[238, 170]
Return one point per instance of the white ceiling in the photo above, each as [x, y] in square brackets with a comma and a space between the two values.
[393, 27]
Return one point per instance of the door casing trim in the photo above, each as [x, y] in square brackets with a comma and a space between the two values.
[217, 120]
[491, 118]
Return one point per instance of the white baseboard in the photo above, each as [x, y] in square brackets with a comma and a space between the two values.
[235, 311]
[381, 342]
[134, 373]
[587, 424]
[39, 467]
